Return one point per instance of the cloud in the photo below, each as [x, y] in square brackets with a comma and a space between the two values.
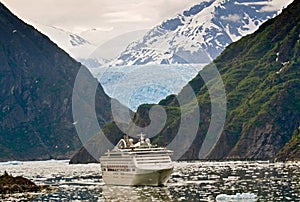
[125, 16]
[98, 20]
[70, 13]
[275, 4]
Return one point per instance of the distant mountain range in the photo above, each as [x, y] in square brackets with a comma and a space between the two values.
[77, 47]
[261, 76]
[37, 81]
[200, 34]
[197, 35]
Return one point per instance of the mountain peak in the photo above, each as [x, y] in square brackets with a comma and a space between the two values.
[199, 34]
[37, 82]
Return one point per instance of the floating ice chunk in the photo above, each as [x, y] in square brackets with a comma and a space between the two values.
[11, 163]
[15, 162]
[245, 197]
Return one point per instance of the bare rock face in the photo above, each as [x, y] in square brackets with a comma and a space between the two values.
[291, 150]
[37, 79]
[263, 100]
[18, 184]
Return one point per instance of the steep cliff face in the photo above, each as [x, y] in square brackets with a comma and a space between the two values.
[261, 78]
[291, 150]
[37, 79]
[92, 150]
[263, 103]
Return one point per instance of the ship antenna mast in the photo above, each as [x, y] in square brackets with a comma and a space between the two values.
[142, 137]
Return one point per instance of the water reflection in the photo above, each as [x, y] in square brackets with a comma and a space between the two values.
[143, 193]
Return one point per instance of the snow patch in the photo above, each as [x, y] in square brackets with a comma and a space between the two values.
[283, 67]
[75, 45]
[277, 58]
[231, 17]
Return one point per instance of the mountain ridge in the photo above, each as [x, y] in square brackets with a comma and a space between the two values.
[75, 45]
[37, 79]
[199, 34]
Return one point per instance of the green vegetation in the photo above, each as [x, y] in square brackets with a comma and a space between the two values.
[261, 74]
[291, 151]
[37, 79]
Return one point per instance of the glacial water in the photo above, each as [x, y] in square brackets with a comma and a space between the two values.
[190, 181]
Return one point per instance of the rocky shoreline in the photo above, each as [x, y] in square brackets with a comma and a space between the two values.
[10, 185]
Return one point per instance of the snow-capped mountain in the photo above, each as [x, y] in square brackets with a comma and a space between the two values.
[76, 46]
[196, 35]
[201, 33]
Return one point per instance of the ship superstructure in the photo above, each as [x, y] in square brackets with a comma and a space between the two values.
[136, 164]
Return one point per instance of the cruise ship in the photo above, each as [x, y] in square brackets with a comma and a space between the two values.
[136, 164]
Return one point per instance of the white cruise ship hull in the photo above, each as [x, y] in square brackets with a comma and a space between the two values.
[141, 177]
[140, 164]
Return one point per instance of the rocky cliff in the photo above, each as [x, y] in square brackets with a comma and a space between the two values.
[291, 150]
[37, 79]
[261, 74]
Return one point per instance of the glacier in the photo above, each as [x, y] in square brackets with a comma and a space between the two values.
[139, 84]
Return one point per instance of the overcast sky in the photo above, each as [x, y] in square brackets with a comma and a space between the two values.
[102, 22]
[109, 18]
